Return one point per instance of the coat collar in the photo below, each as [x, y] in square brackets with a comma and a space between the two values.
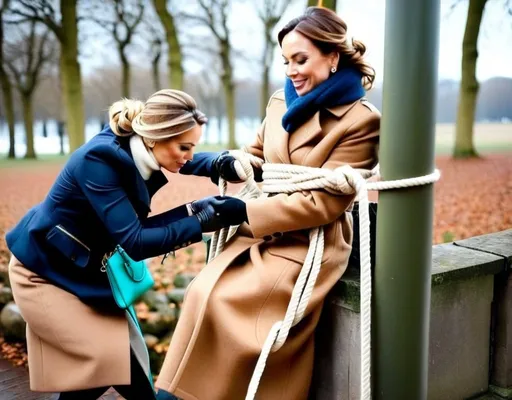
[312, 128]
[340, 111]
[276, 134]
[145, 189]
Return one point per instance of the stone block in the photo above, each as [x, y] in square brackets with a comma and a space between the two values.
[499, 244]
[460, 325]
[460, 320]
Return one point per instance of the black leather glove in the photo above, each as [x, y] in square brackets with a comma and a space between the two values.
[232, 211]
[210, 222]
[203, 203]
[228, 168]
[258, 174]
[221, 213]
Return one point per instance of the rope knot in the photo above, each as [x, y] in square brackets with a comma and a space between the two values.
[346, 180]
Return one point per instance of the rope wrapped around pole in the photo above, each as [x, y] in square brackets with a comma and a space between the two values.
[285, 178]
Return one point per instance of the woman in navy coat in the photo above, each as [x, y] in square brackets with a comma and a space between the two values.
[78, 340]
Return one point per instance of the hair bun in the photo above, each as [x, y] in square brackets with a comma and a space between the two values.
[121, 115]
[199, 116]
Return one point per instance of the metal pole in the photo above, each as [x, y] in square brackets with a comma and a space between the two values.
[401, 300]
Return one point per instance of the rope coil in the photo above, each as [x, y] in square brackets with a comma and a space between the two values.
[285, 178]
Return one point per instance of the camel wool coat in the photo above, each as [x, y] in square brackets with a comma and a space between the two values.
[231, 306]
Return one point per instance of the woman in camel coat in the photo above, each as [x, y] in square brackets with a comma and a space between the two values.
[320, 120]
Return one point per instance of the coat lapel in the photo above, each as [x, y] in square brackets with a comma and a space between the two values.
[340, 111]
[275, 134]
[313, 127]
[155, 182]
[309, 130]
[142, 192]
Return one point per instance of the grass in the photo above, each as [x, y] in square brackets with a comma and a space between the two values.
[47, 159]
[488, 139]
[56, 159]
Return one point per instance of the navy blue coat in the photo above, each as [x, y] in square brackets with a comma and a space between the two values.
[99, 200]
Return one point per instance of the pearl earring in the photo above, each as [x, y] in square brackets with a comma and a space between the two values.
[333, 70]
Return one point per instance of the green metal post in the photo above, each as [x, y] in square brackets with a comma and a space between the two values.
[401, 301]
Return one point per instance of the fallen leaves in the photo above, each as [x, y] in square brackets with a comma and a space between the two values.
[472, 198]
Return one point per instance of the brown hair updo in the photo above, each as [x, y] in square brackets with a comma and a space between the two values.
[328, 32]
[166, 113]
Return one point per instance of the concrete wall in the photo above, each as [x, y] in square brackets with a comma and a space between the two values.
[470, 325]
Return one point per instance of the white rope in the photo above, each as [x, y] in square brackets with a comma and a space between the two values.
[249, 191]
[284, 178]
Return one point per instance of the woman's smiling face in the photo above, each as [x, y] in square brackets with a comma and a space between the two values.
[306, 65]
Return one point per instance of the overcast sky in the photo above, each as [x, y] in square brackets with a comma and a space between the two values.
[365, 20]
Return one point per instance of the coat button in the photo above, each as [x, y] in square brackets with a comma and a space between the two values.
[277, 234]
[73, 257]
[267, 238]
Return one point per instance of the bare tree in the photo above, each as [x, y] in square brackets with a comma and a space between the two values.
[25, 60]
[331, 4]
[127, 15]
[206, 88]
[154, 39]
[214, 15]
[464, 146]
[270, 14]
[174, 53]
[156, 46]
[6, 86]
[63, 23]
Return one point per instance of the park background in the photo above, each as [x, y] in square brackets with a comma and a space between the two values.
[62, 63]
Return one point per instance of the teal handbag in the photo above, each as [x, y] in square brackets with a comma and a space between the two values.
[128, 279]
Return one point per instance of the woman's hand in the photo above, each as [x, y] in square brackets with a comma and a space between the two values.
[230, 169]
[217, 212]
[203, 203]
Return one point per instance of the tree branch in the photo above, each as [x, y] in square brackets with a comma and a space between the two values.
[44, 8]
[15, 73]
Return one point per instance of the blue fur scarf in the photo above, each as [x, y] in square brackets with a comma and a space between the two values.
[342, 87]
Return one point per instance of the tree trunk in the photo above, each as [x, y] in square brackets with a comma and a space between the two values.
[7, 94]
[219, 122]
[45, 128]
[28, 119]
[155, 68]
[230, 113]
[9, 109]
[469, 86]
[206, 133]
[268, 56]
[125, 83]
[229, 91]
[60, 131]
[174, 54]
[331, 4]
[70, 75]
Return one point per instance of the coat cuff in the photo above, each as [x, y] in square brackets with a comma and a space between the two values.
[255, 209]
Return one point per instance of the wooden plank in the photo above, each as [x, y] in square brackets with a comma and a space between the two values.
[14, 385]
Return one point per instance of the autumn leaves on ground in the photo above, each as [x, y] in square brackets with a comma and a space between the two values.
[472, 198]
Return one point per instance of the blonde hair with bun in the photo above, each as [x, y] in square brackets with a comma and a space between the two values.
[165, 114]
